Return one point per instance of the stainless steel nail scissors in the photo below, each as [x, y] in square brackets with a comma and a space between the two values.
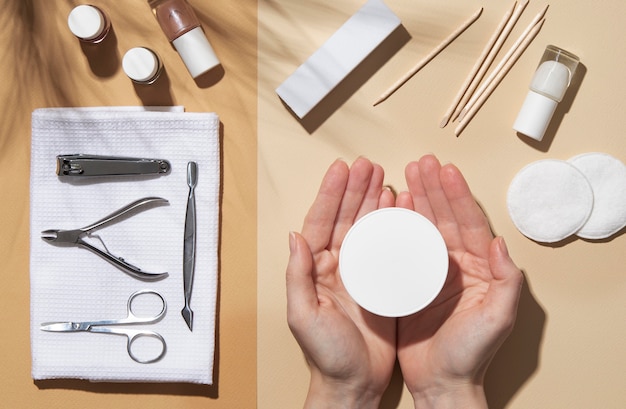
[75, 237]
[131, 335]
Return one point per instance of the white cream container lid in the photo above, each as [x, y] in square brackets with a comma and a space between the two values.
[393, 262]
[86, 22]
[140, 64]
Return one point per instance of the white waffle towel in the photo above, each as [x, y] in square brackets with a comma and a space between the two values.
[73, 284]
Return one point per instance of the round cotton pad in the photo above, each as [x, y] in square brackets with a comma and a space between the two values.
[393, 262]
[549, 200]
[607, 176]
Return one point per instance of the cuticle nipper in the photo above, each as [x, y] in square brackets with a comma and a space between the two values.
[75, 237]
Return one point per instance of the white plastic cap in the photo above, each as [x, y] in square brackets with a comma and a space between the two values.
[86, 22]
[141, 64]
[196, 52]
[534, 117]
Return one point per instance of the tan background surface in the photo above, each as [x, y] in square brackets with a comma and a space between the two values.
[43, 65]
[567, 350]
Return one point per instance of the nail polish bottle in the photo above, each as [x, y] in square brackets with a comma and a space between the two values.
[88, 23]
[547, 88]
[142, 65]
[182, 28]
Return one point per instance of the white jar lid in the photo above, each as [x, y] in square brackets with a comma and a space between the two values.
[140, 64]
[393, 262]
[86, 22]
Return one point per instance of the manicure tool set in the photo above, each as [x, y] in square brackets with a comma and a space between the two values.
[81, 165]
[92, 26]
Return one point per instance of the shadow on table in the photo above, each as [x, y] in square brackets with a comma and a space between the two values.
[156, 94]
[518, 358]
[103, 58]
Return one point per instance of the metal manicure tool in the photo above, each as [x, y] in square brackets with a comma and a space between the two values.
[131, 335]
[75, 237]
[189, 250]
[96, 165]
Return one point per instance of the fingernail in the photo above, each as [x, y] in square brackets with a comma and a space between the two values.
[390, 189]
[503, 247]
[292, 241]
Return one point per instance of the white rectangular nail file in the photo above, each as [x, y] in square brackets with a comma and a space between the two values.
[337, 57]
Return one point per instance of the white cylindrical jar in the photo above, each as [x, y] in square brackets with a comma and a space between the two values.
[142, 65]
[547, 88]
[89, 23]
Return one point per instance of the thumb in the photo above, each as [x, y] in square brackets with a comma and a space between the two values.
[504, 291]
[301, 293]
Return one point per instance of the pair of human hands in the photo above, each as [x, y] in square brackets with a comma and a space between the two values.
[443, 350]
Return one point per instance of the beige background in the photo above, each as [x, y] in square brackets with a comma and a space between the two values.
[567, 349]
[43, 65]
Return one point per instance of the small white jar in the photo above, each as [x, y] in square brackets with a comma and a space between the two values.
[142, 65]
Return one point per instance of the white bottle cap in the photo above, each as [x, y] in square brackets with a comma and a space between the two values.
[141, 64]
[535, 115]
[196, 52]
[86, 22]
